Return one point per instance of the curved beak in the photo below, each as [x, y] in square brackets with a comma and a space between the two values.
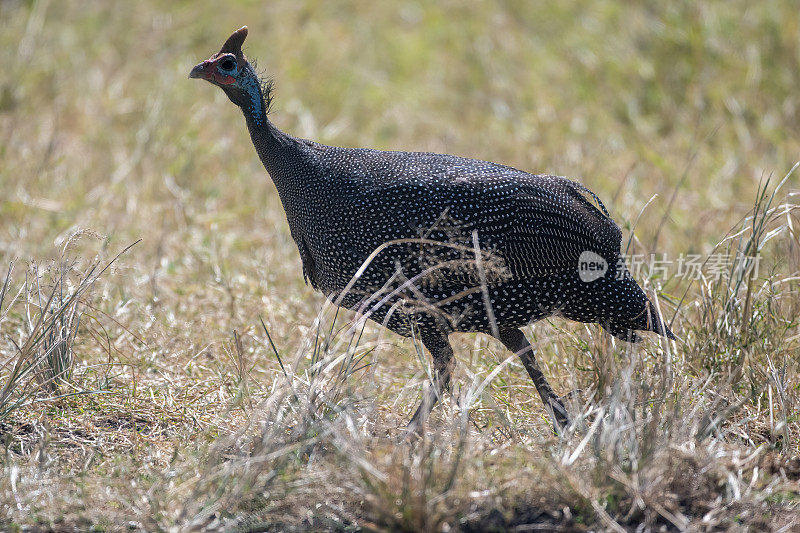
[199, 71]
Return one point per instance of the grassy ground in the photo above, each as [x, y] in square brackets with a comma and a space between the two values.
[175, 409]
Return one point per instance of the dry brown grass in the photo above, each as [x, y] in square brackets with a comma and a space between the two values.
[177, 408]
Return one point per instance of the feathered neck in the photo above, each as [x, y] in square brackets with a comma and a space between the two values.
[288, 160]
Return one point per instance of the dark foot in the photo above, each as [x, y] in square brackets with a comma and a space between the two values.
[559, 415]
[410, 435]
[573, 395]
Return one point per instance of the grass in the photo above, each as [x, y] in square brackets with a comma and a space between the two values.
[194, 381]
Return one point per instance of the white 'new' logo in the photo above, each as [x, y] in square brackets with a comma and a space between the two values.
[591, 266]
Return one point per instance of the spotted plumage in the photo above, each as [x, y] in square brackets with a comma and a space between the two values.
[431, 244]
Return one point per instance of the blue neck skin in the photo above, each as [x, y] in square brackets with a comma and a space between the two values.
[255, 111]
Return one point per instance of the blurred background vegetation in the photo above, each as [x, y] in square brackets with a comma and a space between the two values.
[104, 141]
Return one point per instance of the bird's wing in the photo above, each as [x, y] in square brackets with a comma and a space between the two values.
[539, 225]
[548, 223]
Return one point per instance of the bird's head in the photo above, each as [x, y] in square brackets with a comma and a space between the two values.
[230, 70]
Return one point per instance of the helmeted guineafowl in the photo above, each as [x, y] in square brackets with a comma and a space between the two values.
[431, 244]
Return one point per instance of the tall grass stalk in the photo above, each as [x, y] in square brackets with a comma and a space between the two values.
[41, 363]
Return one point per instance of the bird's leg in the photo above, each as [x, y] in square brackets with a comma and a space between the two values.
[515, 340]
[443, 363]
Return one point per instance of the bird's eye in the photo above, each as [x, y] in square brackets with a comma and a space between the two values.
[227, 63]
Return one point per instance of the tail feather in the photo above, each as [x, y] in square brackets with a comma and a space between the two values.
[642, 315]
[619, 304]
[648, 320]
[627, 334]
